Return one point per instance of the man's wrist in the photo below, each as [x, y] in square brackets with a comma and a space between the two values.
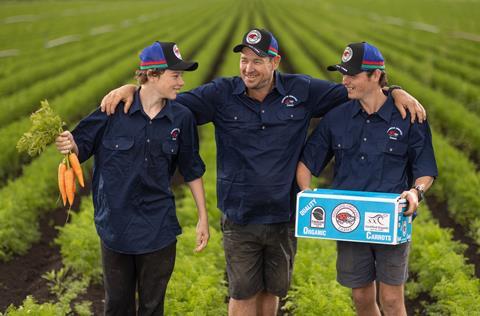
[394, 87]
[420, 192]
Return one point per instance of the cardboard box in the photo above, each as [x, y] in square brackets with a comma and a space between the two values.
[370, 217]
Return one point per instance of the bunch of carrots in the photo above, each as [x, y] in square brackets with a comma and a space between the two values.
[46, 126]
[68, 169]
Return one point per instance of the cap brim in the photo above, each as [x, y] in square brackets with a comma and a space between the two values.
[341, 68]
[185, 66]
[261, 53]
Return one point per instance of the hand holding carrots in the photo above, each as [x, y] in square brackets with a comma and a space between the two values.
[65, 143]
[69, 168]
[47, 126]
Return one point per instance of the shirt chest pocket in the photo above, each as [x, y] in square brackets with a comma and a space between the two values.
[168, 148]
[394, 159]
[118, 144]
[118, 153]
[296, 113]
[393, 149]
[237, 116]
[341, 146]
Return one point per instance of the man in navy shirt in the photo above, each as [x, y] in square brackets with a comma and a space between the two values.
[375, 150]
[136, 155]
[261, 120]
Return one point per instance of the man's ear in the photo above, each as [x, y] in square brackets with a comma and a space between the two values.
[276, 61]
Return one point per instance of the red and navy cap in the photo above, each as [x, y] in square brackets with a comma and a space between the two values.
[261, 41]
[164, 55]
[358, 57]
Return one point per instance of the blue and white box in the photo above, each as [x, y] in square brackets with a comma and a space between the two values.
[369, 217]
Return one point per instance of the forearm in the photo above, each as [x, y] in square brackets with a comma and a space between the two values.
[198, 193]
[424, 182]
[304, 176]
[415, 195]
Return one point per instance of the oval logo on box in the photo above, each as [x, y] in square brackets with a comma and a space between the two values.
[345, 217]
[317, 218]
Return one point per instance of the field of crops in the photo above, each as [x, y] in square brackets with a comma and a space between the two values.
[73, 52]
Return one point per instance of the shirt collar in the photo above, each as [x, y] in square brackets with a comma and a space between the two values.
[240, 85]
[385, 111]
[166, 111]
[356, 108]
[137, 106]
[279, 83]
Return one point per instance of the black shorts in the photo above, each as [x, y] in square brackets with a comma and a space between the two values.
[359, 264]
[259, 258]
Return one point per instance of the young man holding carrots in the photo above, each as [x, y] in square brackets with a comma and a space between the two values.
[375, 150]
[135, 157]
[261, 120]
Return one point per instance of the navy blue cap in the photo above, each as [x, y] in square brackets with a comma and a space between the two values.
[261, 41]
[164, 55]
[358, 57]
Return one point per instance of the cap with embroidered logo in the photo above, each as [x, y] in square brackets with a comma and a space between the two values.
[164, 55]
[261, 41]
[358, 57]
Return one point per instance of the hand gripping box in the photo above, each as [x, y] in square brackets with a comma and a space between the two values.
[370, 217]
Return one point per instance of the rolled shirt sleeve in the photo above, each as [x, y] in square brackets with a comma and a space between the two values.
[420, 153]
[317, 151]
[88, 132]
[190, 163]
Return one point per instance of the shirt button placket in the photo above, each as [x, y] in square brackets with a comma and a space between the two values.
[147, 148]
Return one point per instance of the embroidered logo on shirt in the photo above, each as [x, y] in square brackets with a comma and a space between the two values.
[289, 100]
[345, 217]
[174, 133]
[394, 132]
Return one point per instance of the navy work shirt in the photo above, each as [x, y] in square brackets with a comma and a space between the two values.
[380, 152]
[259, 143]
[135, 157]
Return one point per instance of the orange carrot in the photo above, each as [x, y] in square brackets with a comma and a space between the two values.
[61, 181]
[69, 183]
[75, 164]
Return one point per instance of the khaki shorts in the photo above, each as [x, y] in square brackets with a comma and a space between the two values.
[359, 264]
[259, 258]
